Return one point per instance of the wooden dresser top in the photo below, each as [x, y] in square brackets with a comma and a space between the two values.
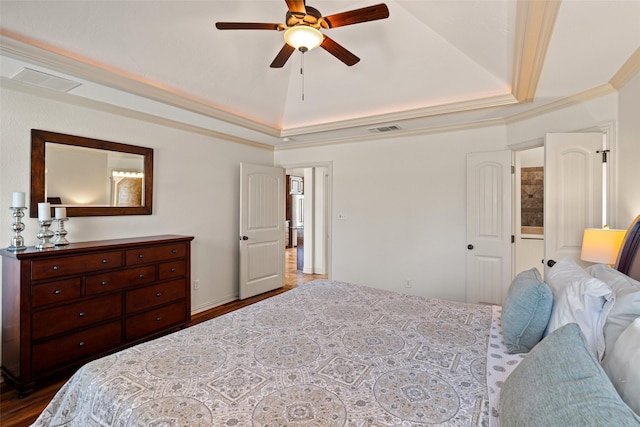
[81, 247]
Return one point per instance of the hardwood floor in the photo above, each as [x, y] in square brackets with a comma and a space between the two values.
[293, 277]
[18, 412]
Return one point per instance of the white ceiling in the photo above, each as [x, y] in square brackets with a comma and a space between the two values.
[431, 64]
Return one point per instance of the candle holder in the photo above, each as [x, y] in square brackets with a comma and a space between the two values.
[17, 241]
[44, 235]
[61, 233]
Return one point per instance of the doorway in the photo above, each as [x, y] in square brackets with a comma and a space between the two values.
[308, 253]
[528, 209]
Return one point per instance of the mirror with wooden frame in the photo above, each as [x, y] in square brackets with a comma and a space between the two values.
[90, 177]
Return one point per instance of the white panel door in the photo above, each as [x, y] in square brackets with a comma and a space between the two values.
[488, 226]
[262, 221]
[572, 192]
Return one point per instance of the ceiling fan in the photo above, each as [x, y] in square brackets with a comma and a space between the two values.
[302, 29]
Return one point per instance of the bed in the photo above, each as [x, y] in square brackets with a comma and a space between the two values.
[327, 353]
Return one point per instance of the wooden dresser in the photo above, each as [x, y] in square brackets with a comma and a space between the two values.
[65, 306]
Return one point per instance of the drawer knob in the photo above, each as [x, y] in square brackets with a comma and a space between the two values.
[158, 294]
[104, 261]
[140, 256]
[81, 314]
[103, 283]
[158, 319]
[55, 267]
[141, 276]
[57, 292]
[174, 251]
[81, 344]
[173, 269]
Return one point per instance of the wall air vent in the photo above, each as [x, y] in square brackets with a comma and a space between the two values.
[383, 129]
[49, 81]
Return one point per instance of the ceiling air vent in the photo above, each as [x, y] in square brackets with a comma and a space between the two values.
[383, 129]
[49, 81]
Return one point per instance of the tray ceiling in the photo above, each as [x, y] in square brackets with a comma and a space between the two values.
[432, 63]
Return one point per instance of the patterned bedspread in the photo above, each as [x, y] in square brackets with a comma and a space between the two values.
[324, 354]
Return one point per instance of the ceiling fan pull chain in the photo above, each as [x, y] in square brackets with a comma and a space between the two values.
[302, 75]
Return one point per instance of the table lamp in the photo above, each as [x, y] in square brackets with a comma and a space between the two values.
[601, 245]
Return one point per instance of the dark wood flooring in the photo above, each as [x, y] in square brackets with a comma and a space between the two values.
[18, 412]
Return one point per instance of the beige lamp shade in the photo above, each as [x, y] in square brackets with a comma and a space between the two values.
[601, 245]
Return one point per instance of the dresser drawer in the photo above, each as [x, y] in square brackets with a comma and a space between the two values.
[56, 267]
[106, 282]
[76, 346]
[71, 316]
[156, 253]
[53, 292]
[155, 320]
[151, 296]
[169, 270]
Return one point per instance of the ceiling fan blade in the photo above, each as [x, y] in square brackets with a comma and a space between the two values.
[296, 6]
[282, 56]
[248, 26]
[339, 52]
[370, 13]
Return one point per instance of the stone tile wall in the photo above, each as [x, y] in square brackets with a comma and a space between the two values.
[532, 197]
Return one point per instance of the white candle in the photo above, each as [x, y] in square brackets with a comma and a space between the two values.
[17, 200]
[61, 213]
[44, 212]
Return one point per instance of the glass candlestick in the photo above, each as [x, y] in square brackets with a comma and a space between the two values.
[61, 233]
[17, 241]
[44, 235]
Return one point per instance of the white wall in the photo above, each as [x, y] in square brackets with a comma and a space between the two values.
[404, 203]
[628, 156]
[196, 185]
[309, 220]
[403, 198]
[320, 179]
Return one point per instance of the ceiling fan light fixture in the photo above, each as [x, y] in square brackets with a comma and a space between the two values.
[303, 37]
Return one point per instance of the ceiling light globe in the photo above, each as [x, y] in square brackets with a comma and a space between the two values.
[303, 37]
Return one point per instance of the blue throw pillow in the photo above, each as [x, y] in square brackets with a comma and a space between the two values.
[526, 311]
[560, 384]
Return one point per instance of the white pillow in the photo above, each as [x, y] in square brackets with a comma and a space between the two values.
[627, 306]
[614, 278]
[622, 364]
[582, 299]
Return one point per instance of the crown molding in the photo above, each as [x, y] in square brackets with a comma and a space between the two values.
[80, 101]
[42, 54]
[399, 134]
[627, 71]
[535, 20]
[436, 110]
[561, 103]
[534, 27]
[35, 52]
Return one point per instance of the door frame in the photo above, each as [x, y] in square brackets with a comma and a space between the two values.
[328, 208]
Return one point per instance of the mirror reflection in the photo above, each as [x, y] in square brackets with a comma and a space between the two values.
[109, 178]
[90, 177]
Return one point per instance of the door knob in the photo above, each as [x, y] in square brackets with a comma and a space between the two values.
[551, 263]
[470, 247]
[244, 238]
